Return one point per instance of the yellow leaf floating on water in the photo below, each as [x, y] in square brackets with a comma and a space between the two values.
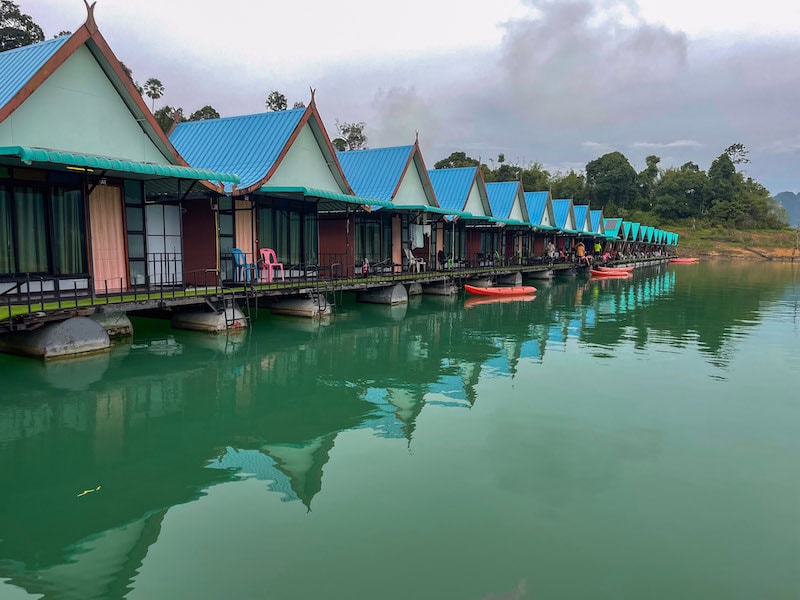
[84, 492]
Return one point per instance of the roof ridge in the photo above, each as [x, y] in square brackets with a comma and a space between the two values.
[58, 40]
[233, 117]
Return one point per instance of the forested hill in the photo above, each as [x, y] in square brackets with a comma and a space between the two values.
[791, 204]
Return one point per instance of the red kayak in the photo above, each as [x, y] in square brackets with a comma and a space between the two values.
[519, 290]
[616, 269]
[684, 261]
[610, 274]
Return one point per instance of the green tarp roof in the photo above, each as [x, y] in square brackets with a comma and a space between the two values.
[103, 163]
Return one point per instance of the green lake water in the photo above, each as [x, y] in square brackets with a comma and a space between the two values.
[617, 439]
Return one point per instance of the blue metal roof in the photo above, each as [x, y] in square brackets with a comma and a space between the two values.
[501, 197]
[536, 202]
[452, 186]
[248, 146]
[635, 231]
[561, 209]
[580, 211]
[596, 215]
[20, 64]
[375, 173]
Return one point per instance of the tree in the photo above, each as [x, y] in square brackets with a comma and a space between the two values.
[612, 180]
[351, 136]
[166, 116]
[569, 185]
[534, 178]
[737, 153]
[456, 160]
[153, 89]
[203, 114]
[62, 33]
[129, 73]
[648, 179]
[681, 193]
[299, 104]
[16, 28]
[276, 101]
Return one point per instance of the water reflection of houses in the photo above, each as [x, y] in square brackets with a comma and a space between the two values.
[158, 423]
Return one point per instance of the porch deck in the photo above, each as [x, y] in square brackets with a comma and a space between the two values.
[32, 309]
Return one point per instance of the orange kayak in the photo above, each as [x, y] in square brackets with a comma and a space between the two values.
[684, 261]
[616, 269]
[620, 274]
[519, 290]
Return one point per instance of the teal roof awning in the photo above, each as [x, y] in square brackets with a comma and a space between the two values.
[103, 163]
[326, 195]
[430, 209]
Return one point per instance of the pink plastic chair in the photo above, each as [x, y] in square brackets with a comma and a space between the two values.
[270, 262]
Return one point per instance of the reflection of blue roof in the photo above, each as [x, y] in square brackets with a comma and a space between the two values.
[501, 197]
[248, 145]
[555, 334]
[530, 349]
[258, 465]
[18, 66]
[450, 386]
[375, 173]
[499, 365]
[452, 186]
[384, 418]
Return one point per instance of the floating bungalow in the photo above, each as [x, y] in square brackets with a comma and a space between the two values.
[82, 209]
[99, 206]
[407, 235]
[507, 200]
[462, 189]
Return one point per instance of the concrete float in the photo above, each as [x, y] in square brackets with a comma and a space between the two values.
[544, 274]
[392, 312]
[481, 282]
[312, 306]
[440, 288]
[116, 324]
[514, 279]
[393, 294]
[210, 321]
[414, 289]
[73, 337]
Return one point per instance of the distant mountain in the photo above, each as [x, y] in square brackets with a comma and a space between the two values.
[791, 202]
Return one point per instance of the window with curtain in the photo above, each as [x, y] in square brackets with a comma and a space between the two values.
[8, 262]
[291, 232]
[68, 230]
[310, 238]
[31, 233]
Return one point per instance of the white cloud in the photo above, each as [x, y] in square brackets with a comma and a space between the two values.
[663, 145]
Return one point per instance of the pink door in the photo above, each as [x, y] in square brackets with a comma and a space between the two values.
[109, 262]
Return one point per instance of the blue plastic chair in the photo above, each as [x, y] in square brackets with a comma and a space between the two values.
[242, 270]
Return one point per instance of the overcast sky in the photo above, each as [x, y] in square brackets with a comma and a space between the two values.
[558, 82]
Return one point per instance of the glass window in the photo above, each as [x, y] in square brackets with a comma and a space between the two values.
[134, 193]
[134, 219]
[69, 231]
[30, 229]
[8, 263]
[135, 245]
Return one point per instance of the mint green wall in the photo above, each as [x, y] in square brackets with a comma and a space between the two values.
[474, 203]
[77, 109]
[516, 210]
[305, 165]
[548, 217]
[411, 191]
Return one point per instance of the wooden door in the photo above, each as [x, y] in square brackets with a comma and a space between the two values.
[109, 261]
